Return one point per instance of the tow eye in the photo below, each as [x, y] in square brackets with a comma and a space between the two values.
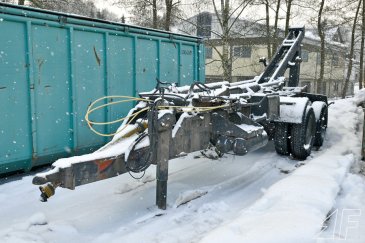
[47, 191]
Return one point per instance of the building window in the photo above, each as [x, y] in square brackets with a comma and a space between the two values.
[335, 86]
[318, 58]
[236, 51]
[321, 88]
[204, 25]
[208, 52]
[246, 51]
[242, 51]
[335, 59]
[305, 55]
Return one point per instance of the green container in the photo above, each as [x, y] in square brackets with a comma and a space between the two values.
[53, 65]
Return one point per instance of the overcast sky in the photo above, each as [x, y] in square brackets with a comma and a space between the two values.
[108, 4]
[300, 16]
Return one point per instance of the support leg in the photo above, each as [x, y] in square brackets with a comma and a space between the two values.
[162, 169]
[161, 132]
[161, 194]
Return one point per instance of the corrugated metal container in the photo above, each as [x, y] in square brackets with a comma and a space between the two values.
[53, 65]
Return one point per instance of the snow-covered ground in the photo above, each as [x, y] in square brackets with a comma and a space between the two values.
[260, 197]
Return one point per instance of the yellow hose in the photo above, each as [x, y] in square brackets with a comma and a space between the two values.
[131, 117]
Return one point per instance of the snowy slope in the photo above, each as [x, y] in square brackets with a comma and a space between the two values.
[260, 197]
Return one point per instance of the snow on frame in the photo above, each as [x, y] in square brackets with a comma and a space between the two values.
[122, 209]
[295, 208]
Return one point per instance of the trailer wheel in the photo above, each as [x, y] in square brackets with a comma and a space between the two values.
[302, 136]
[281, 138]
[321, 112]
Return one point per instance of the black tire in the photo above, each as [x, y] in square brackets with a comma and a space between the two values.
[321, 127]
[302, 136]
[281, 138]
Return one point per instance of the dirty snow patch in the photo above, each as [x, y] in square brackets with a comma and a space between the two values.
[294, 202]
[188, 196]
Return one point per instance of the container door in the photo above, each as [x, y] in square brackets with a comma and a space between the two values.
[120, 75]
[89, 84]
[51, 65]
[169, 62]
[15, 127]
[188, 65]
[147, 65]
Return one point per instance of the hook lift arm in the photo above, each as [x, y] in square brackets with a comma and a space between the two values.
[172, 121]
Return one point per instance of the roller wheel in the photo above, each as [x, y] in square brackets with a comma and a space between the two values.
[321, 123]
[302, 136]
[281, 138]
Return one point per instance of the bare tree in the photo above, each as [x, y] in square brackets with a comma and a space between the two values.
[227, 17]
[271, 31]
[361, 76]
[146, 12]
[351, 55]
[268, 35]
[154, 14]
[322, 36]
[6, 1]
[172, 13]
[287, 15]
[80, 7]
[169, 5]
[275, 35]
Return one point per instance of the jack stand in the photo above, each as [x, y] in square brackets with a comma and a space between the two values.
[160, 146]
[161, 193]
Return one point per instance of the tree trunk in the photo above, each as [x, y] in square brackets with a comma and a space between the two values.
[38, 4]
[224, 15]
[361, 76]
[227, 59]
[154, 14]
[275, 44]
[21, 2]
[351, 55]
[287, 17]
[168, 6]
[321, 34]
[268, 36]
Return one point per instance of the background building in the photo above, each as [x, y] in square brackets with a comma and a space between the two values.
[248, 42]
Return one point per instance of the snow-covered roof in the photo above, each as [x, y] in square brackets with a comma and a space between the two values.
[244, 28]
[332, 36]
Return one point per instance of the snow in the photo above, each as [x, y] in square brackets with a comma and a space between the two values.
[310, 35]
[359, 99]
[317, 108]
[294, 201]
[113, 149]
[292, 109]
[179, 122]
[116, 147]
[350, 199]
[259, 197]
[188, 196]
[249, 128]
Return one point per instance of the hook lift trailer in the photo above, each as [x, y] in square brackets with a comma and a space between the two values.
[236, 117]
